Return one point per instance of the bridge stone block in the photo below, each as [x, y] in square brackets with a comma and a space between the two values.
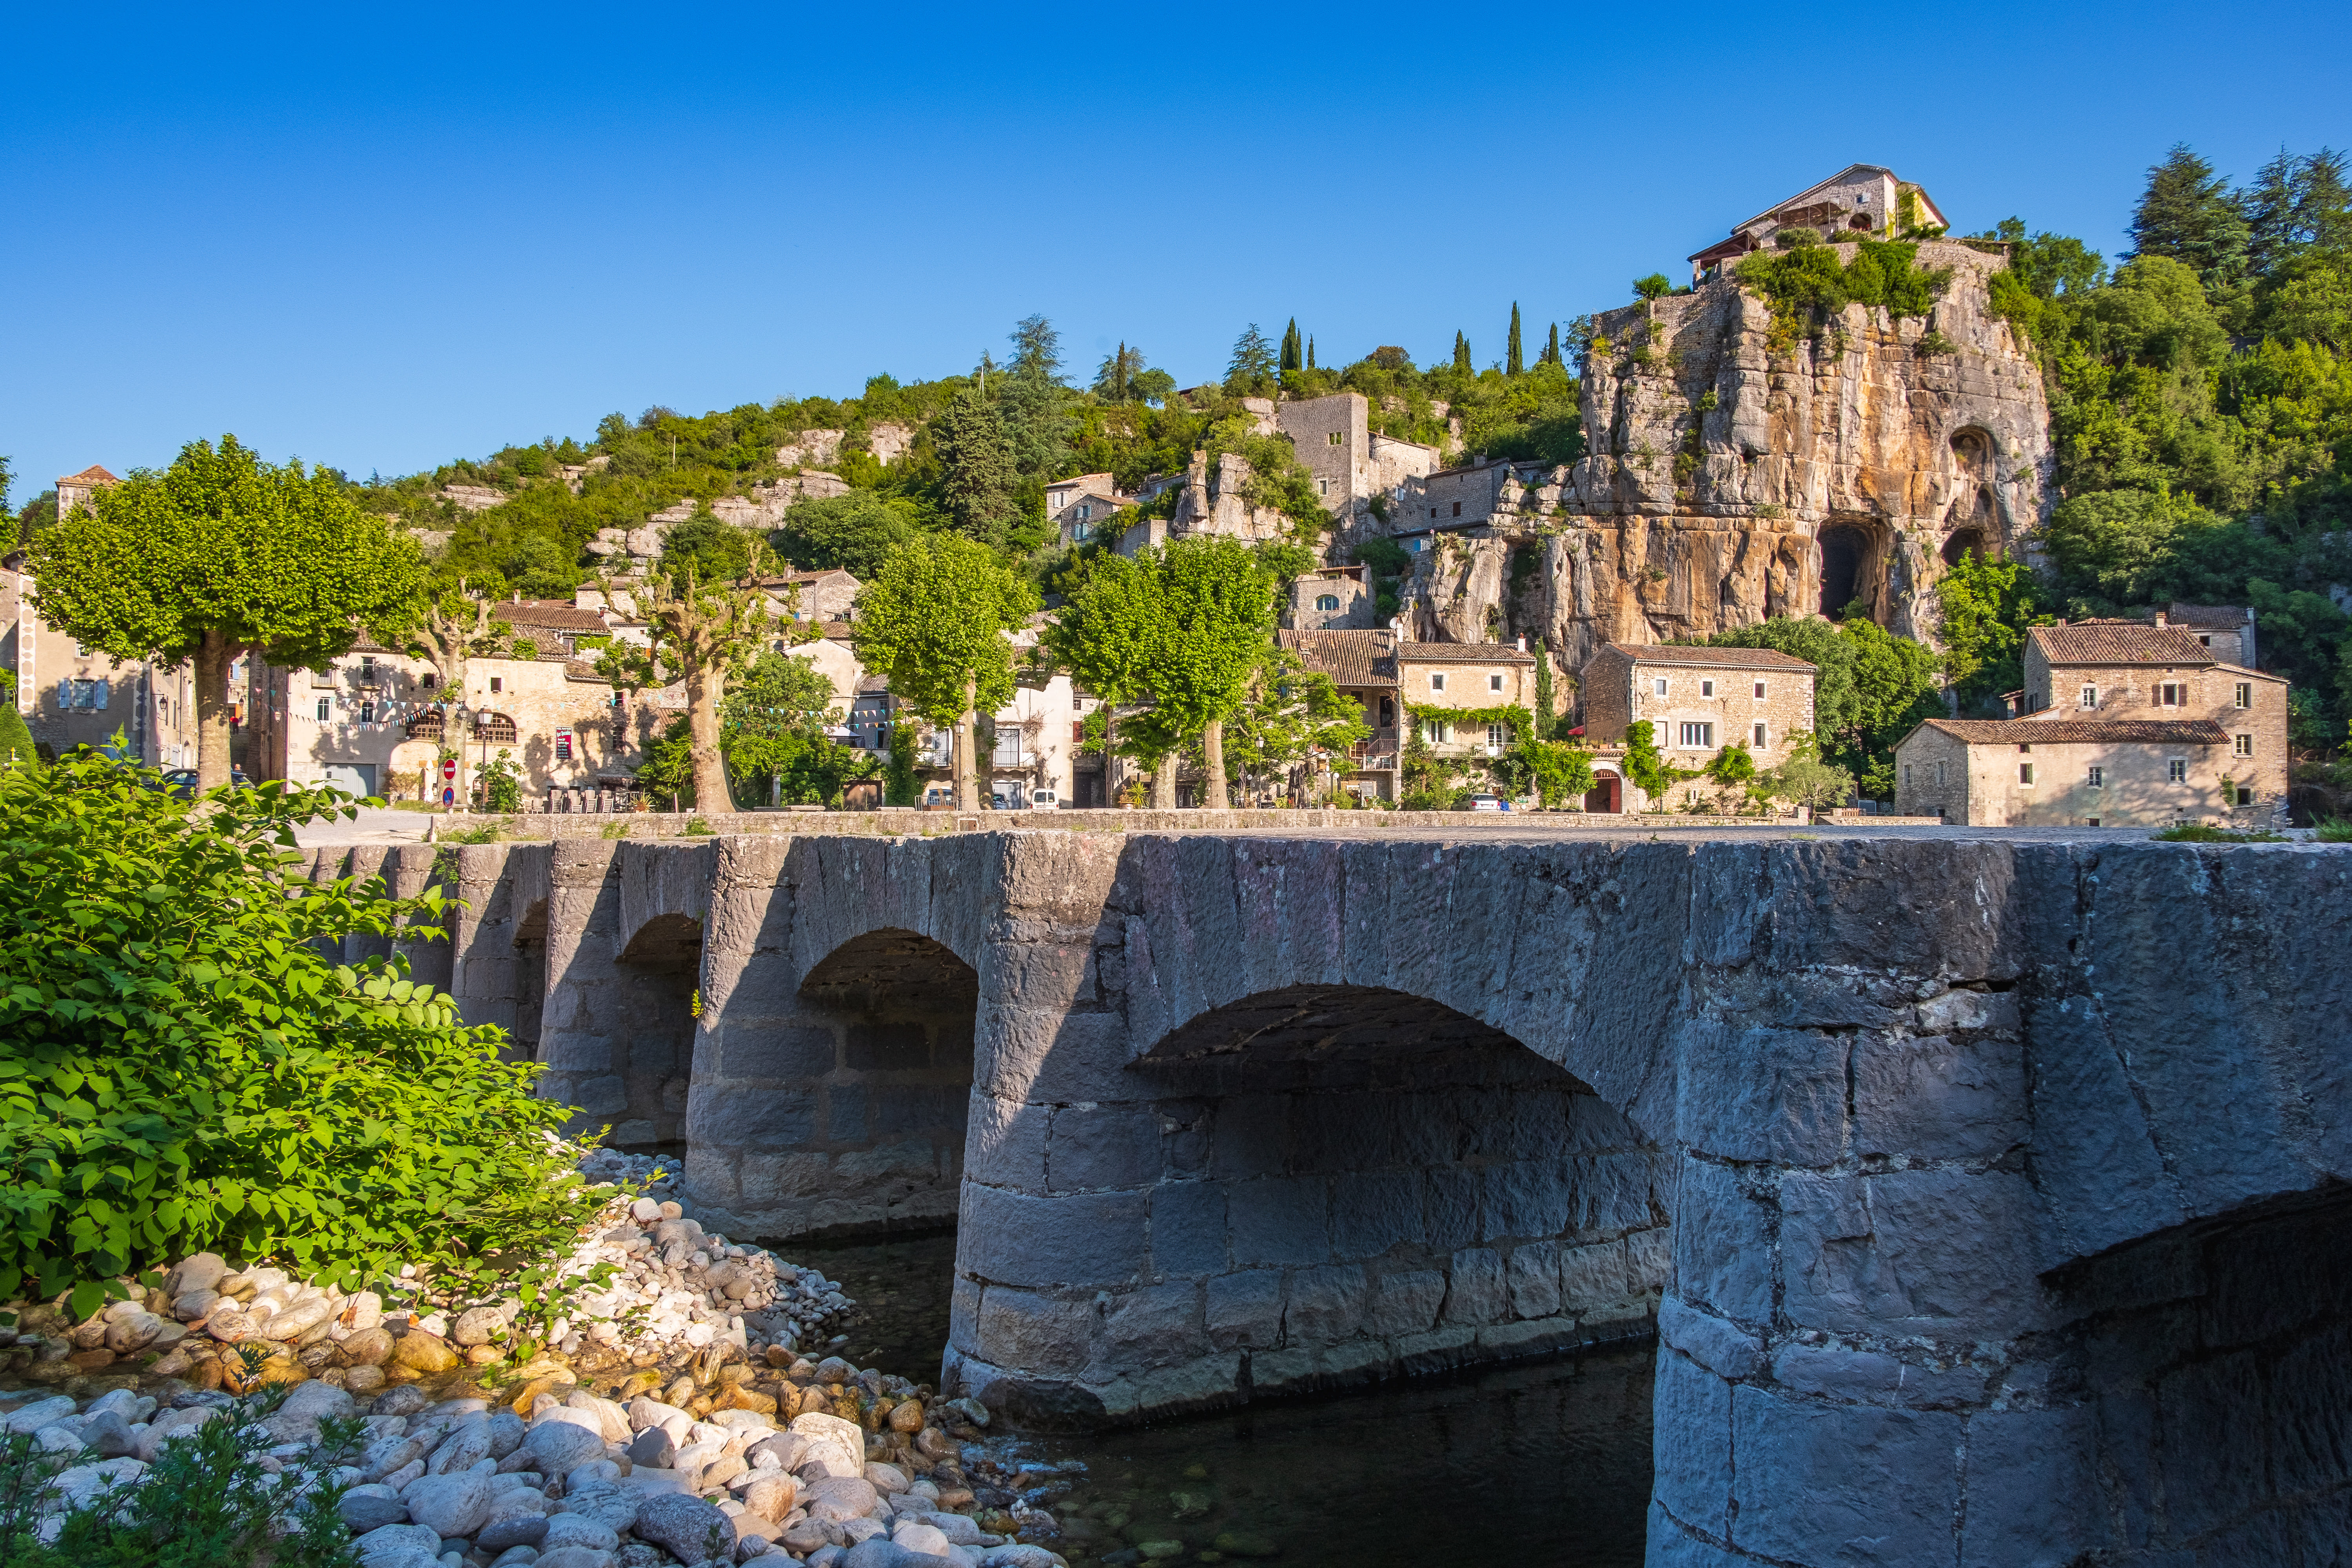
[1844, 1484]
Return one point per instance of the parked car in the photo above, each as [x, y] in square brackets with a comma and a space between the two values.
[1045, 800]
[1487, 803]
[939, 797]
[182, 782]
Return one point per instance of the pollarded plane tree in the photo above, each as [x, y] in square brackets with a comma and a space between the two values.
[219, 556]
[694, 633]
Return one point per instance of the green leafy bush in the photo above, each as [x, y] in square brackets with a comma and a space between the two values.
[205, 1501]
[2200, 833]
[181, 1068]
[2335, 830]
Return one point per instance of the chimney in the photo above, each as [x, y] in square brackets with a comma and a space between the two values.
[1523, 642]
[2159, 620]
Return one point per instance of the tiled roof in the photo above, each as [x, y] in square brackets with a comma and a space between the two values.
[2061, 731]
[580, 669]
[2118, 642]
[93, 475]
[1463, 653]
[552, 613]
[778, 579]
[1349, 659]
[1710, 657]
[2228, 617]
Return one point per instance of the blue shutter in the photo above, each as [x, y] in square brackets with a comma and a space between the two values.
[65, 693]
[98, 693]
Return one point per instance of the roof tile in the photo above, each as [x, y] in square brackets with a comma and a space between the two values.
[1710, 657]
[2118, 642]
[2062, 731]
[1348, 657]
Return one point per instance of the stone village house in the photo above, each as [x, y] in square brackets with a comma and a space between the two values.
[1697, 700]
[2123, 723]
[1390, 678]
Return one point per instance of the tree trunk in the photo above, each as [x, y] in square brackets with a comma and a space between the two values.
[1212, 756]
[214, 657]
[702, 729]
[1163, 781]
[967, 791]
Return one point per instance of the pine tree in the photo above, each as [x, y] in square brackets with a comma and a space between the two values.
[980, 472]
[1551, 349]
[1290, 356]
[1253, 359]
[1462, 354]
[2187, 213]
[1514, 361]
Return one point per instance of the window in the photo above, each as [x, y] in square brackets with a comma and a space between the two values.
[1697, 734]
[1080, 530]
[1940, 773]
[1388, 712]
[367, 712]
[1322, 487]
[1907, 775]
[1494, 683]
[1327, 601]
[367, 672]
[2027, 747]
[2025, 772]
[322, 710]
[1658, 687]
[2096, 778]
[1707, 689]
[1761, 734]
[2171, 695]
[1457, 508]
[2090, 822]
[2205, 642]
[2177, 770]
[425, 680]
[1759, 691]
[2245, 696]
[1495, 736]
[1337, 439]
[2244, 747]
[2245, 796]
[1436, 731]
[497, 683]
[1086, 510]
[1437, 683]
[2090, 697]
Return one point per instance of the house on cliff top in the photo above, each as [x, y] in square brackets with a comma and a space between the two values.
[1861, 201]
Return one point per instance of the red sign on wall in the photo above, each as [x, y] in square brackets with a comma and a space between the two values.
[564, 745]
[448, 767]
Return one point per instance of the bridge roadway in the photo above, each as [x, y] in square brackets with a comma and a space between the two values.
[1985, 1190]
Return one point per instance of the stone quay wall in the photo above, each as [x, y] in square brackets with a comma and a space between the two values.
[1987, 1197]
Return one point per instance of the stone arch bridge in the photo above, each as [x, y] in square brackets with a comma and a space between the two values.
[1987, 1196]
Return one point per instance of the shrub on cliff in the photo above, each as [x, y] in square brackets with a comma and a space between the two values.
[181, 1068]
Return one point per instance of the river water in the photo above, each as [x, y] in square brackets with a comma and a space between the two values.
[1544, 1462]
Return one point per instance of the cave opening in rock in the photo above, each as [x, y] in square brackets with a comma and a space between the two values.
[1843, 549]
[1964, 541]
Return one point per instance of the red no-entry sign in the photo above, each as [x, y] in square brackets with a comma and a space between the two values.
[448, 767]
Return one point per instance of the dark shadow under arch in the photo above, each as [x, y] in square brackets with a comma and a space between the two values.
[1845, 553]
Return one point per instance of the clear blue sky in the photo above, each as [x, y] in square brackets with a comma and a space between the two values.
[382, 242]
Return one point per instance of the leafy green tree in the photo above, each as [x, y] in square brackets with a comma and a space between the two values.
[16, 746]
[694, 633]
[1108, 633]
[451, 628]
[1733, 765]
[1646, 765]
[856, 532]
[1216, 598]
[183, 1067]
[979, 478]
[1032, 401]
[901, 785]
[1810, 782]
[774, 712]
[1117, 379]
[1514, 361]
[1657, 285]
[1250, 369]
[1986, 606]
[705, 548]
[935, 623]
[1560, 773]
[1291, 716]
[668, 770]
[218, 557]
[2187, 213]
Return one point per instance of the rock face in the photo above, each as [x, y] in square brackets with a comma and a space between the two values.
[1726, 482]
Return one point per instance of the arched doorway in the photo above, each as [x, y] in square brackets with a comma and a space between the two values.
[839, 1108]
[652, 1038]
[1845, 549]
[1607, 793]
[1351, 1182]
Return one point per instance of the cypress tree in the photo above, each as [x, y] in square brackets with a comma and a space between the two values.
[1461, 354]
[1290, 359]
[1551, 349]
[1514, 361]
[1311, 350]
[981, 477]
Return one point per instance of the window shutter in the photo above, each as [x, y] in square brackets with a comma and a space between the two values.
[98, 694]
[65, 693]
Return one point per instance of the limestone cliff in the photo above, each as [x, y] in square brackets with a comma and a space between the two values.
[1728, 480]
